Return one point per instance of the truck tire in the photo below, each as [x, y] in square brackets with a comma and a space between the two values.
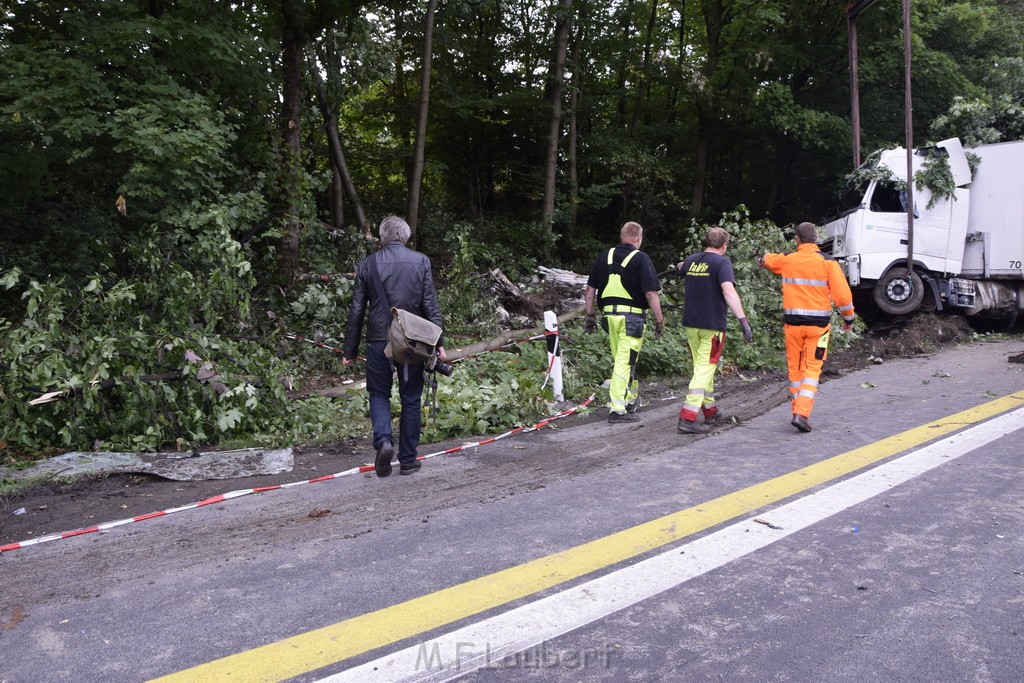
[896, 293]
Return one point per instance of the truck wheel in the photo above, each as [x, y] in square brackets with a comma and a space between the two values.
[896, 293]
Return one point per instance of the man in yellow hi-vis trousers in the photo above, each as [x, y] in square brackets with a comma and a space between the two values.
[625, 285]
[710, 289]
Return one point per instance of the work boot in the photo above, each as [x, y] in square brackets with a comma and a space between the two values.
[382, 465]
[712, 416]
[801, 423]
[633, 407]
[691, 427]
[411, 468]
[618, 418]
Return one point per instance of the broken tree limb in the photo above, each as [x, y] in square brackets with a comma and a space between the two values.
[452, 354]
[103, 385]
[505, 338]
[514, 297]
[338, 391]
[506, 286]
[204, 375]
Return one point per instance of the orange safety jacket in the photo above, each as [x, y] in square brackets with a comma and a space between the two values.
[811, 281]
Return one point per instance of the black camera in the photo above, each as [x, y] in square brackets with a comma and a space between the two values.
[437, 365]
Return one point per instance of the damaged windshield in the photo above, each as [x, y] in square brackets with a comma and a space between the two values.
[851, 199]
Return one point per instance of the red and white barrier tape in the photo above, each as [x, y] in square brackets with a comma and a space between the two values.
[261, 489]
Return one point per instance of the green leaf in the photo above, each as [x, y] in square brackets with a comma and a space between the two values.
[229, 419]
[10, 278]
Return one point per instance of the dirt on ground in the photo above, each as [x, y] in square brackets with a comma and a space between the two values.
[56, 507]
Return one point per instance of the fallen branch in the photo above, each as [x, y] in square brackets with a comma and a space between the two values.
[455, 354]
[106, 384]
[505, 338]
[203, 376]
[506, 286]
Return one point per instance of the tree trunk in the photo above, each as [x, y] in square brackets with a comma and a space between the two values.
[574, 122]
[574, 177]
[412, 208]
[337, 199]
[555, 122]
[784, 160]
[337, 152]
[700, 179]
[644, 86]
[673, 98]
[624, 61]
[455, 354]
[403, 121]
[714, 20]
[341, 168]
[291, 119]
[496, 343]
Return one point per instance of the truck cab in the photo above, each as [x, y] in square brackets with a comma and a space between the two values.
[954, 232]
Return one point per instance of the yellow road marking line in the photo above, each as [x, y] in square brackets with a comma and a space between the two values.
[334, 643]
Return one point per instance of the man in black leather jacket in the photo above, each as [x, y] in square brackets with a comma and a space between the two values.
[408, 284]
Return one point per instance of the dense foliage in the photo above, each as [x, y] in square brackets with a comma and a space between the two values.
[172, 168]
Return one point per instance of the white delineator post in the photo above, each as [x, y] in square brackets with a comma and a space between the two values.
[554, 355]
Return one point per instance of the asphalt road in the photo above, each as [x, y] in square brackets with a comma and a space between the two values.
[889, 548]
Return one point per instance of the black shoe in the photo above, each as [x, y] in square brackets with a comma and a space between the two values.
[688, 427]
[382, 465]
[633, 407]
[801, 423]
[713, 417]
[411, 468]
[618, 418]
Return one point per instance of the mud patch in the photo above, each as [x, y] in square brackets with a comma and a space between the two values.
[900, 338]
[17, 615]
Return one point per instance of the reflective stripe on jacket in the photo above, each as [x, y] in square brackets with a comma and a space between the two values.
[810, 284]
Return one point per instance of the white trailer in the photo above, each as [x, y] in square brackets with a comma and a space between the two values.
[968, 248]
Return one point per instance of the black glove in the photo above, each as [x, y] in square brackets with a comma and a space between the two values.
[589, 323]
[659, 327]
[748, 334]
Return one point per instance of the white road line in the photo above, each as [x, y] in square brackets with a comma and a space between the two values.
[486, 643]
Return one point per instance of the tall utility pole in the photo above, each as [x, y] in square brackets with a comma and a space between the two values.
[852, 11]
[908, 115]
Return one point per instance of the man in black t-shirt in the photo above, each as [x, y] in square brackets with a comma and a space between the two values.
[710, 288]
[625, 284]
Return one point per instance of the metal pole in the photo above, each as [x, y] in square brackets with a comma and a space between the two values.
[851, 23]
[853, 10]
[909, 120]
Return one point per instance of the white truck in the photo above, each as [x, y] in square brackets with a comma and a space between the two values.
[968, 247]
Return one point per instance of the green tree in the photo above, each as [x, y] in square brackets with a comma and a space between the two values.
[105, 108]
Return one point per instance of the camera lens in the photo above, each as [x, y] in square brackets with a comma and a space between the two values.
[445, 369]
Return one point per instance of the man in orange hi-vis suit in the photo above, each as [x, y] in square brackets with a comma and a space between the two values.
[811, 282]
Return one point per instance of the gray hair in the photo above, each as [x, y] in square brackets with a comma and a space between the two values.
[394, 230]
